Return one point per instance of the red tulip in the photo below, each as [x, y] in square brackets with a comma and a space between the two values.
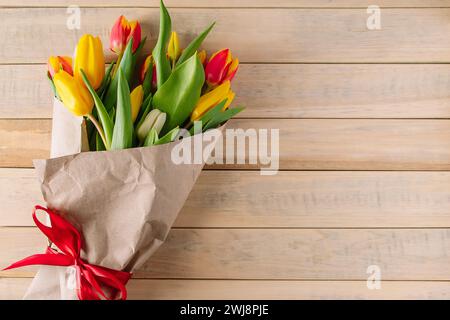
[122, 31]
[221, 67]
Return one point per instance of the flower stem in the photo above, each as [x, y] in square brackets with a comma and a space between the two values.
[116, 66]
[99, 129]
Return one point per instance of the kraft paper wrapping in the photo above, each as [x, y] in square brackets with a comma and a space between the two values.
[124, 202]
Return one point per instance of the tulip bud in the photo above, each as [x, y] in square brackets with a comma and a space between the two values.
[155, 119]
[55, 64]
[89, 58]
[212, 99]
[136, 98]
[121, 33]
[220, 67]
[173, 50]
[75, 97]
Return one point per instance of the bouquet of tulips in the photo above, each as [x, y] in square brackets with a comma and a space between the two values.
[173, 89]
[110, 209]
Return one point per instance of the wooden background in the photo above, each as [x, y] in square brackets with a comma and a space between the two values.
[364, 141]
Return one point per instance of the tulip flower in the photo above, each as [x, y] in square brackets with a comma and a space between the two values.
[89, 57]
[154, 120]
[220, 67]
[75, 96]
[122, 31]
[212, 99]
[173, 50]
[144, 70]
[57, 63]
[136, 97]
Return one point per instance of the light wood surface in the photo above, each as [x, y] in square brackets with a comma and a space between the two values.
[289, 199]
[343, 144]
[364, 119]
[277, 254]
[242, 289]
[284, 91]
[232, 3]
[301, 35]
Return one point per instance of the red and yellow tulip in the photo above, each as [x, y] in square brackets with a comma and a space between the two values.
[122, 31]
[221, 67]
[57, 63]
[89, 58]
[212, 99]
[144, 70]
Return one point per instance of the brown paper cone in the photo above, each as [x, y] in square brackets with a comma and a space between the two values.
[123, 202]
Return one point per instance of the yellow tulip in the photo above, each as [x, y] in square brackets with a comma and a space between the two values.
[202, 56]
[230, 98]
[211, 99]
[74, 96]
[174, 51]
[89, 57]
[136, 97]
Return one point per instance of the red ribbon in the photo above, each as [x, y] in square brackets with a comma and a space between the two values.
[91, 279]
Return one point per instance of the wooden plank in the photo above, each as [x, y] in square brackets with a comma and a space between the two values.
[232, 3]
[142, 289]
[303, 35]
[275, 254]
[304, 144]
[284, 91]
[21, 141]
[289, 199]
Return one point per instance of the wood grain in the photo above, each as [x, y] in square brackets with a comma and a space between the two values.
[304, 144]
[143, 289]
[275, 254]
[284, 91]
[328, 35]
[289, 199]
[21, 141]
[232, 3]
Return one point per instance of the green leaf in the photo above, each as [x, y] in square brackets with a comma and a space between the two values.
[145, 109]
[99, 146]
[139, 48]
[148, 79]
[163, 69]
[210, 114]
[106, 80]
[123, 128]
[222, 117]
[127, 65]
[105, 120]
[194, 45]
[52, 85]
[169, 136]
[179, 95]
[151, 138]
[213, 112]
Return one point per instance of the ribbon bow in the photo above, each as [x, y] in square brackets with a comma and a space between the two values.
[91, 279]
